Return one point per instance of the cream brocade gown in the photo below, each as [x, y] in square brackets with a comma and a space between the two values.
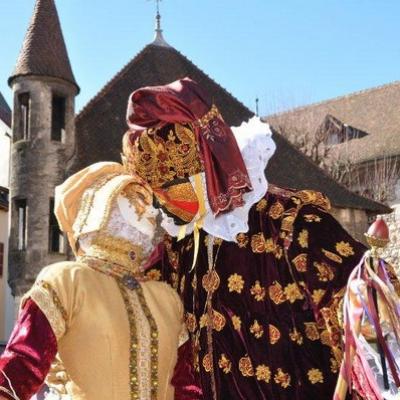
[117, 338]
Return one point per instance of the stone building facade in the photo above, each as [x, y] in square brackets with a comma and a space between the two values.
[6, 300]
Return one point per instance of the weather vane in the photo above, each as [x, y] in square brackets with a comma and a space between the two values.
[157, 5]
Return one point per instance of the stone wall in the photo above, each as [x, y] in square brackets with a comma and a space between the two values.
[38, 164]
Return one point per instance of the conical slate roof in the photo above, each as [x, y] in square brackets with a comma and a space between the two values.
[101, 124]
[43, 51]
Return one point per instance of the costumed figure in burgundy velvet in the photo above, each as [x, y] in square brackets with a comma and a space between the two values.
[100, 328]
[261, 270]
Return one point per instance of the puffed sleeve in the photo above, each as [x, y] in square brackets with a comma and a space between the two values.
[321, 256]
[29, 353]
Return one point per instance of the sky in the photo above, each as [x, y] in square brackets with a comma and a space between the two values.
[285, 52]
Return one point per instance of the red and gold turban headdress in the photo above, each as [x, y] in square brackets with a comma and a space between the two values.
[176, 132]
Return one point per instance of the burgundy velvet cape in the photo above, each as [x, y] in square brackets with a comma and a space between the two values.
[290, 353]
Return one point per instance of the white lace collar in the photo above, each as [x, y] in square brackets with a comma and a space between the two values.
[257, 147]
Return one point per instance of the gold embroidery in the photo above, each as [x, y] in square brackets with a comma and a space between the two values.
[276, 210]
[258, 243]
[235, 283]
[46, 298]
[332, 256]
[325, 272]
[207, 117]
[236, 322]
[293, 293]
[218, 321]
[173, 256]
[344, 249]
[138, 383]
[87, 202]
[261, 205]
[334, 365]
[258, 291]
[153, 274]
[117, 251]
[282, 378]
[158, 160]
[315, 376]
[256, 329]
[211, 281]
[276, 293]
[263, 373]
[203, 322]
[242, 240]
[182, 284]
[207, 363]
[274, 334]
[303, 238]
[311, 331]
[191, 323]
[55, 298]
[300, 262]
[269, 246]
[225, 364]
[296, 336]
[325, 338]
[317, 295]
[312, 218]
[312, 197]
[246, 367]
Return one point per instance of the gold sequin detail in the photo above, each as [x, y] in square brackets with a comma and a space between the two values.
[133, 371]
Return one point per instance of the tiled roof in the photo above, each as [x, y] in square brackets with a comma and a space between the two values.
[5, 111]
[43, 51]
[101, 124]
[375, 111]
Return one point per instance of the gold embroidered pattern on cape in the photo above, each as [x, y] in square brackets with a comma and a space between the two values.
[50, 304]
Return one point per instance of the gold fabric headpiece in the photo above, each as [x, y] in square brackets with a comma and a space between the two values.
[162, 155]
[83, 202]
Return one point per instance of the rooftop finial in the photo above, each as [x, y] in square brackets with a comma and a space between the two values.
[159, 38]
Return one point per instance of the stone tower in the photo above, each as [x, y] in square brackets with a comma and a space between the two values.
[43, 143]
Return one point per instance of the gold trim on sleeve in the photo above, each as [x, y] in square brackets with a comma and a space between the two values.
[46, 298]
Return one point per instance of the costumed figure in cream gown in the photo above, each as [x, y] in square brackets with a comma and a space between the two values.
[98, 327]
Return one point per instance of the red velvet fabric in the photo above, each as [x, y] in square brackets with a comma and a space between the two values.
[247, 366]
[29, 352]
[185, 380]
[184, 102]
